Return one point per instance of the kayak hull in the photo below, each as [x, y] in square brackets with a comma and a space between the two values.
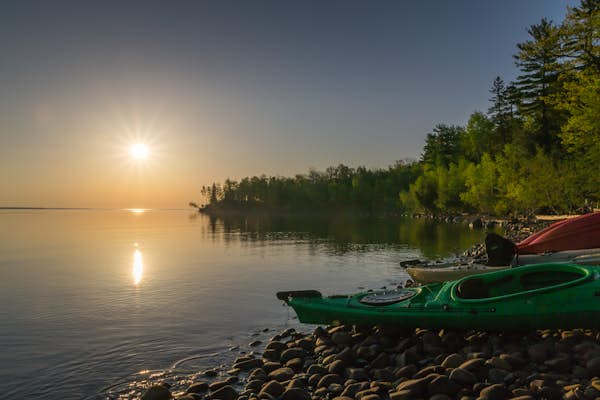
[532, 297]
[449, 272]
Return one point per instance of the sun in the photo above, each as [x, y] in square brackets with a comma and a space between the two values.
[139, 151]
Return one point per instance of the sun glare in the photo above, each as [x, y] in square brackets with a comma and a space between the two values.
[139, 151]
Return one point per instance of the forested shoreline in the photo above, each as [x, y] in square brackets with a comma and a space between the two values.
[536, 149]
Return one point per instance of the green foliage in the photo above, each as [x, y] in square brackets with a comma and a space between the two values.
[537, 149]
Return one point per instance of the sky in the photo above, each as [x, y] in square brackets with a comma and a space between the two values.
[228, 89]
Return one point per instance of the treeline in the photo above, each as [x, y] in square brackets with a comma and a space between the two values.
[537, 148]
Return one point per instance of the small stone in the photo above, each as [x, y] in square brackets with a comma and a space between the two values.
[341, 338]
[328, 380]
[295, 364]
[271, 366]
[273, 388]
[224, 393]
[402, 395]
[359, 374]
[593, 366]
[463, 377]
[294, 352]
[316, 369]
[371, 397]
[440, 396]
[255, 343]
[157, 392]
[282, 374]
[276, 346]
[198, 387]
[495, 392]
[217, 385]
[499, 363]
[337, 367]
[254, 385]
[210, 373]
[453, 361]
[443, 385]
[295, 394]
[381, 361]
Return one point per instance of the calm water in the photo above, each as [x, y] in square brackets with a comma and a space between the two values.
[94, 304]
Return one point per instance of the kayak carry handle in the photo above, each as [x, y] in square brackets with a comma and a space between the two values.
[298, 293]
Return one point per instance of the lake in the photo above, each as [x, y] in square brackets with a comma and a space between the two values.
[96, 303]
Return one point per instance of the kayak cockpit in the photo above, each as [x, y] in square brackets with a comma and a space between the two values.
[518, 281]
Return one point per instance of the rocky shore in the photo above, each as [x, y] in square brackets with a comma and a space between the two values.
[353, 363]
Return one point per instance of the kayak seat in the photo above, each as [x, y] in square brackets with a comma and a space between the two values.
[477, 288]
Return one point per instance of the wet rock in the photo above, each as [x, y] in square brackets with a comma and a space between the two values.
[255, 385]
[224, 393]
[463, 377]
[383, 374]
[495, 392]
[328, 379]
[282, 374]
[453, 361]
[373, 396]
[432, 369]
[593, 366]
[276, 346]
[295, 364]
[273, 388]
[157, 392]
[440, 396]
[343, 398]
[402, 395]
[271, 355]
[381, 361]
[358, 374]
[417, 387]
[551, 393]
[295, 394]
[496, 375]
[337, 367]
[442, 385]
[347, 355]
[407, 371]
[255, 343]
[341, 338]
[294, 352]
[352, 389]
[198, 387]
[499, 363]
[316, 369]
[217, 385]
[210, 373]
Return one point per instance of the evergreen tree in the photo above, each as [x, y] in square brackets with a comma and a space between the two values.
[538, 60]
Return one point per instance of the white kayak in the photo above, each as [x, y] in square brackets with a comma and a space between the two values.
[459, 268]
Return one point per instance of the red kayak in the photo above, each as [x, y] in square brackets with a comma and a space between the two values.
[577, 233]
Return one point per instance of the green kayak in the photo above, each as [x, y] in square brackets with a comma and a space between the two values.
[531, 297]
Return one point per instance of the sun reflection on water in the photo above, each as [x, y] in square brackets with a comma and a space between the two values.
[138, 266]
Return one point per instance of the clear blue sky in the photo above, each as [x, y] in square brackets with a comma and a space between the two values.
[229, 89]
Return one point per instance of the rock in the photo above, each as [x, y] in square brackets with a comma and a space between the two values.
[337, 367]
[316, 369]
[416, 386]
[224, 393]
[402, 395]
[442, 385]
[440, 396]
[271, 355]
[282, 374]
[560, 364]
[406, 372]
[593, 367]
[495, 392]
[551, 393]
[157, 392]
[384, 375]
[496, 375]
[352, 389]
[347, 355]
[217, 385]
[463, 377]
[234, 371]
[210, 373]
[255, 385]
[273, 388]
[358, 374]
[257, 373]
[295, 394]
[477, 223]
[539, 352]
[295, 364]
[499, 363]
[453, 361]
[432, 369]
[335, 389]
[294, 352]
[198, 387]
[381, 361]
[341, 338]
[371, 397]
[343, 398]
[328, 379]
